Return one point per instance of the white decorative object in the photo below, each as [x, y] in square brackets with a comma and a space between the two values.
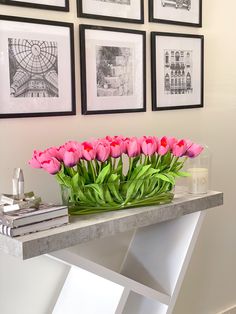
[18, 183]
[198, 180]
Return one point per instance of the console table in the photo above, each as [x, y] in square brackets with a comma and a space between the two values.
[146, 278]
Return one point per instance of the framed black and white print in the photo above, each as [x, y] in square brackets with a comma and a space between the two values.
[36, 68]
[114, 10]
[58, 5]
[180, 12]
[113, 69]
[177, 71]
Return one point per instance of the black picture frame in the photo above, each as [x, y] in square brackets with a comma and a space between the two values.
[177, 64]
[49, 94]
[81, 13]
[169, 17]
[139, 93]
[24, 4]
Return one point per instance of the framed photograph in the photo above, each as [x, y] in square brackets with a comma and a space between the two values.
[113, 10]
[37, 68]
[113, 70]
[58, 5]
[180, 12]
[177, 71]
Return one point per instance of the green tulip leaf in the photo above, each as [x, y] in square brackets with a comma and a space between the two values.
[103, 174]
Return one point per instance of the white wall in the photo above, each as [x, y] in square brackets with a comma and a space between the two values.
[210, 282]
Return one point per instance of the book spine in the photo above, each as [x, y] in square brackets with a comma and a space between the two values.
[5, 230]
[6, 222]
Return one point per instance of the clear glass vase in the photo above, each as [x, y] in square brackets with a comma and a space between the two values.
[97, 198]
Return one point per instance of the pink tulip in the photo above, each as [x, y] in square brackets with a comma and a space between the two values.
[171, 141]
[102, 151]
[108, 138]
[38, 158]
[114, 138]
[194, 150]
[88, 151]
[117, 138]
[149, 146]
[96, 142]
[163, 146]
[51, 165]
[34, 163]
[179, 148]
[122, 141]
[142, 139]
[133, 147]
[123, 146]
[115, 149]
[41, 156]
[71, 157]
[61, 150]
[55, 152]
[189, 143]
[74, 144]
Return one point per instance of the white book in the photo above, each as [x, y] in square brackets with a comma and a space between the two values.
[40, 226]
[31, 215]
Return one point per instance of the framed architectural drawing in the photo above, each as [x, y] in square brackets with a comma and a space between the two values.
[58, 5]
[177, 71]
[180, 12]
[113, 68]
[37, 72]
[114, 10]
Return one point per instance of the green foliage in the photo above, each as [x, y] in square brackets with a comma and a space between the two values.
[98, 187]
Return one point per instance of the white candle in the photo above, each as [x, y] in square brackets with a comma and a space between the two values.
[198, 180]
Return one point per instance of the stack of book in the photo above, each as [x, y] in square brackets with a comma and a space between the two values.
[24, 221]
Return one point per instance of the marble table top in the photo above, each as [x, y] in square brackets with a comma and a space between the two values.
[91, 227]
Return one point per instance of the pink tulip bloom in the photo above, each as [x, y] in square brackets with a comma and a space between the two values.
[34, 163]
[61, 150]
[179, 148]
[194, 150]
[142, 139]
[171, 141]
[51, 165]
[163, 146]
[115, 149]
[113, 138]
[96, 142]
[55, 152]
[38, 158]
[122, 141]
[71, 157]
[74, 144]
[149, 146]
[189, 143]
[117, 138]
[88, 151]
[102, 151]
[133, 147]
[108, 138]
[123, 146]
[41, 156]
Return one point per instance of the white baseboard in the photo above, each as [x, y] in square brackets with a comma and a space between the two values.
[231, 310]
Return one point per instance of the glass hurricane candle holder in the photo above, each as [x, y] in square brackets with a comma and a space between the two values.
[199, 172]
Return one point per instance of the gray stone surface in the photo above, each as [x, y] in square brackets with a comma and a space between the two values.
[90, 227]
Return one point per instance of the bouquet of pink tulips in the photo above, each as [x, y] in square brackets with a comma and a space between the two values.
[94, 176]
